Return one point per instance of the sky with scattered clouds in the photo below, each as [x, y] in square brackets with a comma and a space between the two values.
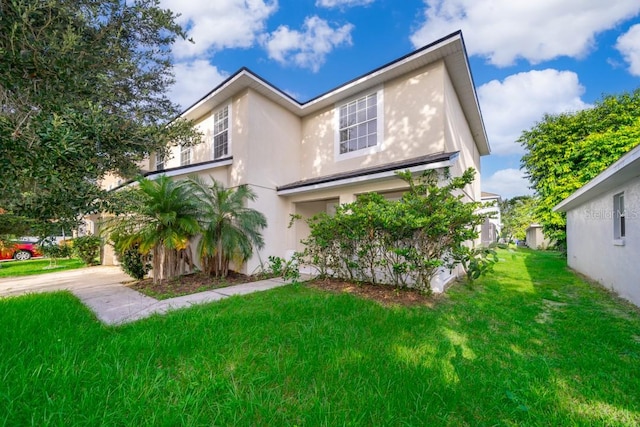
[527, 58]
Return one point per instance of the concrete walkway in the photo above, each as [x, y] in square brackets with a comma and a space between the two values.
[101, 289]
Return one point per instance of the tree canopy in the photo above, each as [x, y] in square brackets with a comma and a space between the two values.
[565, 151]
[83, 88]
[517, 214]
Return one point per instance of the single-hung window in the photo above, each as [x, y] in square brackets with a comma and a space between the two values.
[221, 133]
[159, 162]
[619, 216]
[358, 124]
[185, 155]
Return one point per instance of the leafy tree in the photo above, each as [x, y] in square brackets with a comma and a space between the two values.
[517, 214]
[404, 243]
[82, 93]
[163, 226]
[230, 230]
[565, 151]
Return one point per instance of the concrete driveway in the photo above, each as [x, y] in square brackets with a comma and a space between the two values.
[71, 280]
[101, 289]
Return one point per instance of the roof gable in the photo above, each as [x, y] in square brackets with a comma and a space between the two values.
[450, 49]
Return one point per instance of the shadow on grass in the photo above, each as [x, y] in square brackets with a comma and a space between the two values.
[295, 355]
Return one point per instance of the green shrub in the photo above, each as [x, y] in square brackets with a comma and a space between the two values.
[134, 263]
[87, 248]
[403, 243]
[280, 267]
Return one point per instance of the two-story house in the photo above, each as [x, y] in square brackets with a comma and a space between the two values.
[418, 112]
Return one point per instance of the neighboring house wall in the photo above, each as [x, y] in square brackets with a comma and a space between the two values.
[491, 227]
[535, 238]
[592, 248]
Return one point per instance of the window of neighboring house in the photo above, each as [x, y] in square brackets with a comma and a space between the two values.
[619, 229]
[159, 163]
[185, 155]
[360, 125]
[221, 133]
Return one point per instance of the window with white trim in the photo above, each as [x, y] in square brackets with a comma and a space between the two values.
[159, 162]
[619, 228]
[221, 133]
[359, 125]
[185, 155]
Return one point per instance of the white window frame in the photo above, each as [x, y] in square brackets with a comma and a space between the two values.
[185, 155]
[379, 92]
[619, 219]
[228, 130]
[159, 162]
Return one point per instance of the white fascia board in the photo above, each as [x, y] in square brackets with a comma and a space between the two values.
[365, 178]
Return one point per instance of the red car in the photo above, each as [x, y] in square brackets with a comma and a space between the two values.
[20, 251]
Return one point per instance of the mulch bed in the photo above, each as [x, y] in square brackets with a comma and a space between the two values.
[383, 294]
[189, 284]
[200, 282]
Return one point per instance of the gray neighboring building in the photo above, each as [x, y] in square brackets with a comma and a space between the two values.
[490, 231]
[603, 227]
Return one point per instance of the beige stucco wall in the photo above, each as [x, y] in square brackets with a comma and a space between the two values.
[412, 126]
[458, 137]
[590, 243]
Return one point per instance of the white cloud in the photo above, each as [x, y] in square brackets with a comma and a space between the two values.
[219, 24]
[193, 81]
[307, 48]
[342, 3]
[520, 100]
[505, 30]
[629, 46]
[507, 183]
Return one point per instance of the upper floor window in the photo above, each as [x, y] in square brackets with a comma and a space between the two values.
[185, 155]
[159, 162]
[619, 216]
[221, 133]
[360, 125]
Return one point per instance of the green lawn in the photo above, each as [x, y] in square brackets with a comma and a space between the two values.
[37, 266]
[530, 345]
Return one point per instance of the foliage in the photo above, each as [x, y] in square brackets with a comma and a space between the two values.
[162, 225]
[565, 151]
[83, 92]
[87, 248]
[287, 269]
[404, 243]
[517, 214]
[134, 263]
[230, 230]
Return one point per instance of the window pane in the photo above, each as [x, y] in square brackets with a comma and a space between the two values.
[362, 129]
[352, 108]
[372, 100]
[371, 113]
[372, 127]
[361, 116]
[372, 140]
[362, 142]
[362, 104]
[353, 145]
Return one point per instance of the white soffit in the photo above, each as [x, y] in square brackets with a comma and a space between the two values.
[450, 49]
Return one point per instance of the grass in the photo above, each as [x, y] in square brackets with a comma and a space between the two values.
[37, 266]
[530, 345]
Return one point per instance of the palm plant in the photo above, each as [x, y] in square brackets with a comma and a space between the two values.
[163, 225]
[230, 230]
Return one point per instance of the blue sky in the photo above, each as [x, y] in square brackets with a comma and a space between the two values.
[528, 58]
